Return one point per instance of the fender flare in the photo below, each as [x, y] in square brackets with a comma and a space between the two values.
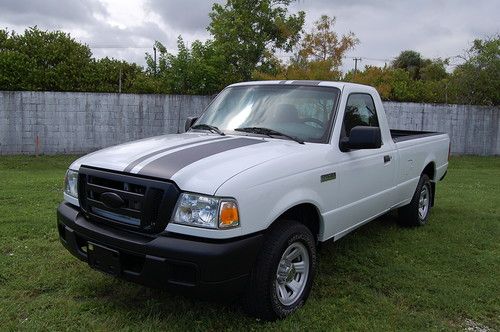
[293, 199]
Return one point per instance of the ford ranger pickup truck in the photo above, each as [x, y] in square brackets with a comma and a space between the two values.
[237, 204]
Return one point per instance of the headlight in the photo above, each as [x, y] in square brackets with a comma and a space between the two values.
[206, 211]
[71, 183]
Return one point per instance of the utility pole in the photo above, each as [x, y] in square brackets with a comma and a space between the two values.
[154, 57]
[446, 93]
[120, 82]
[356, 64]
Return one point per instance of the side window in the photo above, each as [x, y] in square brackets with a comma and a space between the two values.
[360, 111]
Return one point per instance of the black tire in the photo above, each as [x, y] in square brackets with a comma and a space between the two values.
[261, 297]
[409, 215]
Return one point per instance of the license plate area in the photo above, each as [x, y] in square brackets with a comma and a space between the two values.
[104, 259]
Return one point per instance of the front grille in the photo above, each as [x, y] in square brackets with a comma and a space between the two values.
[138, 203]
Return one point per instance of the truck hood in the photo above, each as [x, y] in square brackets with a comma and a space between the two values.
[196, 162]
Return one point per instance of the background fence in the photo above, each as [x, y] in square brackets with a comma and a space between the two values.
[69, 122]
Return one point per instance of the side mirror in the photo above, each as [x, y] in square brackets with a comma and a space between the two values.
[189, 122]
[362, 137]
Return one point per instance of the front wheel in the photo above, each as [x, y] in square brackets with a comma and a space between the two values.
[417, 212]
[282, 277]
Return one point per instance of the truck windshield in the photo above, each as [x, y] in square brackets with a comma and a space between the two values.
[302, 112]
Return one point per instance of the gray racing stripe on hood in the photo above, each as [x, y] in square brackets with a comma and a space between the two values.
[149, 155]
[166, 166]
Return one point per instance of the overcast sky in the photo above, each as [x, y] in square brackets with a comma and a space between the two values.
[126, 29]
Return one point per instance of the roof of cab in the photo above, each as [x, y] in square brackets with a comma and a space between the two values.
[339, 85]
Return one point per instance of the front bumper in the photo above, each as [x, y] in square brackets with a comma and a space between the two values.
[196, 266]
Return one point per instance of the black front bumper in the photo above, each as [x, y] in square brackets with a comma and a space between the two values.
[195, 266]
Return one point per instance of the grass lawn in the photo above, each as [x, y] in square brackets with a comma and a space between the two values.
[444, 276]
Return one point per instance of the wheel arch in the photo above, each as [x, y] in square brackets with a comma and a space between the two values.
[306, 213]
[430, 171]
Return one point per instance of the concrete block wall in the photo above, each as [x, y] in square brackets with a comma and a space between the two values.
[69, 122]
[473, 130]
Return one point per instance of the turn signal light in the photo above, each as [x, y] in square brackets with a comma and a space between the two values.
[228, 216]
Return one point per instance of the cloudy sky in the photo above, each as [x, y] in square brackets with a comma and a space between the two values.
[126, 29]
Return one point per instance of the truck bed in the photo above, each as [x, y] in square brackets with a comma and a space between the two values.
[399, 135]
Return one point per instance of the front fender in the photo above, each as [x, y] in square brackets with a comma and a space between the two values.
[292, 199]
[260, 205]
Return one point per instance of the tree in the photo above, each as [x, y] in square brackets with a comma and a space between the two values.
[397, 85]
[319, 56]
[433, 70]
[477, 79]
[244, 30]
[380, 78]
[409, 78]
[52, 60]
[104, 76]
[191, 71]
[245, 34]
[410, 61]
[324, 44]
[48, 61]
[14, 70]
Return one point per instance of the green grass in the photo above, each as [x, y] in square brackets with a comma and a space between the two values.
[381, 277]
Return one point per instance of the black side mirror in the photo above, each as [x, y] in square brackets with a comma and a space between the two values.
[190, 122]
[362, 137]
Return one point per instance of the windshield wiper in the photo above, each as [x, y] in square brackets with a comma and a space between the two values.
[204, 126]
[268, 132]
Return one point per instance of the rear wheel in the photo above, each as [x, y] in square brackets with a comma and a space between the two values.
[282, 277]
[417, 212]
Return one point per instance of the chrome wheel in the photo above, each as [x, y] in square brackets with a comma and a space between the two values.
[423, 202]
[292, 273]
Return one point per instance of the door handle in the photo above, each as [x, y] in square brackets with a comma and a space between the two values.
[387, 158]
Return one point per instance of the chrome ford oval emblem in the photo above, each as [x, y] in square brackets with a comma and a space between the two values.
[112, 200]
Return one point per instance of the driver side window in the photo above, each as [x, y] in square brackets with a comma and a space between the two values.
[360, 111]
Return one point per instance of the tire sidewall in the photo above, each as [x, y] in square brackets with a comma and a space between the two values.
[424, 181]
[303, 236]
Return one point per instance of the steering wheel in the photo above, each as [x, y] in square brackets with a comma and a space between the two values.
[315, 121]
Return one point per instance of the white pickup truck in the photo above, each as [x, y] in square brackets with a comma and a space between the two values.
[237, 204]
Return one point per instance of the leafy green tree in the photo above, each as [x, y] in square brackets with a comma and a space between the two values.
[396, 84]
[191, 71]
[270, 67]
[14, 70]
[410, 77]
[477, 79]
[433, 70]
[410, 61]
[244, 30]
[246, 34]
[380, 78]
[104, 75]
[44, 60]
[52, 60]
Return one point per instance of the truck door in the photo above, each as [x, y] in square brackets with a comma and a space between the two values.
[366, 176]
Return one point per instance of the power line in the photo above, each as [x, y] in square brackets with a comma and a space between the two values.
[117, 46]
[366, 58]
[284, 55]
